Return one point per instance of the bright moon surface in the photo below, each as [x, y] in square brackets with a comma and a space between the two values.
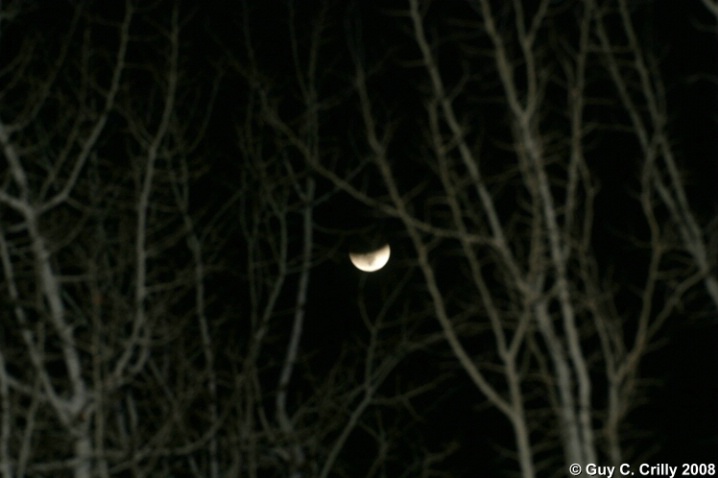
[371, 261]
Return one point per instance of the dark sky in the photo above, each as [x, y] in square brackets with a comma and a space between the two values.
[224, 45]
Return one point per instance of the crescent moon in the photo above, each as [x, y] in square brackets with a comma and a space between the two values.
[371, 261]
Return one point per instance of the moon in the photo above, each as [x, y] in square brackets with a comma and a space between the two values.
[371, 261]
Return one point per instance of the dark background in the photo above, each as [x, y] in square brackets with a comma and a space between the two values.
[678, 421]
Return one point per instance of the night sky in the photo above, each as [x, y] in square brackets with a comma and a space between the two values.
[181, 185]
